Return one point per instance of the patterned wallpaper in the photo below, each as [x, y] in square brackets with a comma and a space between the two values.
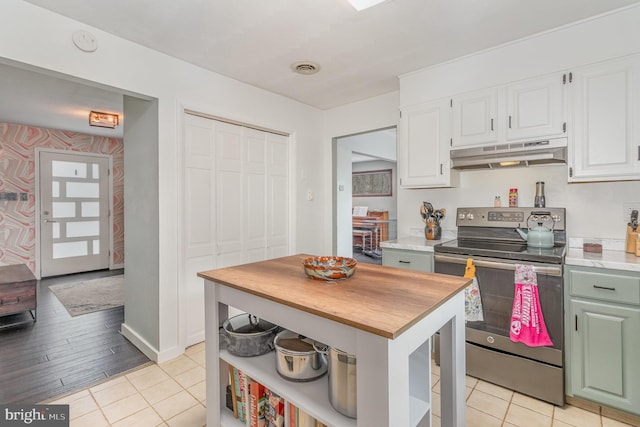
[17, 174]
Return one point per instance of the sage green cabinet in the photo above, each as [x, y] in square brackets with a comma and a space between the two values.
[408, 259]
[603, 336]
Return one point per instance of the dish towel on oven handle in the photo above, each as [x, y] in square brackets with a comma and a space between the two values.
[527, 323]
[472, 300]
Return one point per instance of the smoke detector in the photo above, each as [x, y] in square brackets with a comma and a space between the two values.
[305, 67]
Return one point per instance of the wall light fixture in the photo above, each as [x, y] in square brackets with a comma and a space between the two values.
[103, 120]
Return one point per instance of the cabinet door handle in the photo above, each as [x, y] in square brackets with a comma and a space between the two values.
[638, 152]
[491, 124]
[576, 322]
[404, 262]
[441, 172]
[509, 121]
[606, 288]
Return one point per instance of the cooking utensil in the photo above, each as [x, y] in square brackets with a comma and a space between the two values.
[632, 233]
[342, 381]
[246, 335]
[633, 222]
[297, 358]
[538, 236]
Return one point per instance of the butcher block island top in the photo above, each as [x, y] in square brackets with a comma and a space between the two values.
[385, 301]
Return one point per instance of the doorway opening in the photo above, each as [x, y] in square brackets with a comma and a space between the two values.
[365, 196]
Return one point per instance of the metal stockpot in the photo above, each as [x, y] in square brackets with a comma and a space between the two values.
[246, 335]
[297, 358]
[342, 382]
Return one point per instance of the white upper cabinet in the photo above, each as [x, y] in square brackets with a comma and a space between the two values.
[527, 110]
[605, 126]
[536, 108]
[423, 149]
[475, 118]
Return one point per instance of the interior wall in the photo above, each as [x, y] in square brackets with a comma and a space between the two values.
[142, 271]
[18, 168]
[378, 203]
[37, 38]
[379, 112]
[591, 208]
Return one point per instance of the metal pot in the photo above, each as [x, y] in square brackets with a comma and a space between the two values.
[342, 382]
[246, 335]
[297, 358]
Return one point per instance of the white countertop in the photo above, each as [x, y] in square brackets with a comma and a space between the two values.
[612, 259]
[412, 243]
[617, 260]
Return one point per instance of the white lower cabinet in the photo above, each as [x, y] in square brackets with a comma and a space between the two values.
[603, 337]
[605, 124]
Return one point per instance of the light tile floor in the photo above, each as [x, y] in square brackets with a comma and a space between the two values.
[173, 394]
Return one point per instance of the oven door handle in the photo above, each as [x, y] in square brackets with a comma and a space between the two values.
[550, 270]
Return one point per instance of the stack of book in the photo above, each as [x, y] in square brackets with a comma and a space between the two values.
[258, 406]
[253, 403]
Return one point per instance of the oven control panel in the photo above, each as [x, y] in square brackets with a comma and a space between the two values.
[508, 217]
[511, 216]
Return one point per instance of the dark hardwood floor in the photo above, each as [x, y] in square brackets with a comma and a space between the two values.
[59, 354]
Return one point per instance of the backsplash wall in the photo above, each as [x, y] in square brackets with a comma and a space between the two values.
[594, 210]
[17, 174]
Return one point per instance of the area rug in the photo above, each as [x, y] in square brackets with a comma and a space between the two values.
[90, 295]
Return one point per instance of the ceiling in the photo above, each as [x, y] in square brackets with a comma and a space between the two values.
[361, 54]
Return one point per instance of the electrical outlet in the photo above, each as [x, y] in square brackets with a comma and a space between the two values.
[627, 207]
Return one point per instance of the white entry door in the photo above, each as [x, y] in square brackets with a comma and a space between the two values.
[74, 212]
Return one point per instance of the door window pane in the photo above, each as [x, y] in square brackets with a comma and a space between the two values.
[55, 189]
[95, 171]
[64, 210]
[83, 189]
[84, 228]
[69, 249]
[96, 247]
[68, 169]
[55, 230]
[90, 209]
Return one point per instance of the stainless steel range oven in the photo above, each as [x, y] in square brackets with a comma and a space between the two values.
[488, 236]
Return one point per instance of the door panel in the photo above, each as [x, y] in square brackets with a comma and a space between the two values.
[74, 212]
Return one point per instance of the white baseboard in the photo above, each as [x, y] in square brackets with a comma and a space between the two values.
[150, 351]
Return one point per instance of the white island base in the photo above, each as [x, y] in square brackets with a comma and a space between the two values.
[393, 375]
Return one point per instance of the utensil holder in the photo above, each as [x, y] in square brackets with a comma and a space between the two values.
[632, 241]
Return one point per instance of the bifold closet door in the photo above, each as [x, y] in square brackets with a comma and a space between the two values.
[236, 204]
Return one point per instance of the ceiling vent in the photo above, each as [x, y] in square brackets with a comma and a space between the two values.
[305, 67]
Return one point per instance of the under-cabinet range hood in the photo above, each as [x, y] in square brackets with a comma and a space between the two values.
[552, 151]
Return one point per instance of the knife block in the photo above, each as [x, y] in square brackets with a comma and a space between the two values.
[632, 241]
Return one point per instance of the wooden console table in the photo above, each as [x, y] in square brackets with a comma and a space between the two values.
[17, 291]
[384, 316]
